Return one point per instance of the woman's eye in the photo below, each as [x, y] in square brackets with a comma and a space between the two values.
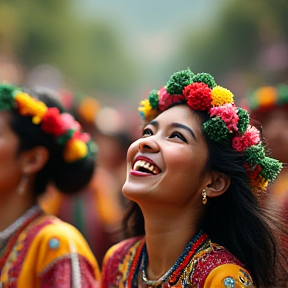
[179, 136]
[147, 132]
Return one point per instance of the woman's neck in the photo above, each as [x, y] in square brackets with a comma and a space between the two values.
[14, 207]
[167, 234]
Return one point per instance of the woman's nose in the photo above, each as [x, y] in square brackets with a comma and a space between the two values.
[149, 145]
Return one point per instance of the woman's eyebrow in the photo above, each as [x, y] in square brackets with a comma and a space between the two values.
[178, 125]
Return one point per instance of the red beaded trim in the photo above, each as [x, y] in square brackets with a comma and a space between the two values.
[135, 262]
[198, 243]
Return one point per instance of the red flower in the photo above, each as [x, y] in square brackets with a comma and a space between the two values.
[52, 122]
[198, 96]
[166, 100]
[249, 138]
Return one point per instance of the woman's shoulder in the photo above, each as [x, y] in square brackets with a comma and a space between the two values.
[115, 256]
[228, 275]
[57, 239]
[217, 267]
[119, 250]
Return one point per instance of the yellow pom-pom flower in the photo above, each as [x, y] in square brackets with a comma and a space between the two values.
[221, 96]
[29, 106]
[75, 149]
[146, 108]
[266, 96]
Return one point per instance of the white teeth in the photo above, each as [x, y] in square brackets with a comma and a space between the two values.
[146, 165]
[138, 164]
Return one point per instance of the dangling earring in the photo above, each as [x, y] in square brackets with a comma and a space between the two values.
[204, 197]
[22, 185]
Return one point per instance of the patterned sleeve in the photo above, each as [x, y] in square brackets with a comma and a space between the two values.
[229, 276]
[60, 275]
[64, 259]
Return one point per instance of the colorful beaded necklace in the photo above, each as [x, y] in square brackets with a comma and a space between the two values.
[173, 274]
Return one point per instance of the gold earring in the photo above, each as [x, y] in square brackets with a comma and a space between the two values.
[204, 197]
[22, 185]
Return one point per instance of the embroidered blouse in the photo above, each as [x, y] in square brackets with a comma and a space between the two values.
[45, 252]
[206, 265]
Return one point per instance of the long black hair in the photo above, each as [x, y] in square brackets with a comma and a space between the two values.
[67, 177]
[236, 219]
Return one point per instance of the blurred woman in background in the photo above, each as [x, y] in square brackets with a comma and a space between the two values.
[40, 144]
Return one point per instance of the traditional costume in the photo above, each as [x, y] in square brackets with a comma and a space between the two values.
[202, 264]
[39, 250]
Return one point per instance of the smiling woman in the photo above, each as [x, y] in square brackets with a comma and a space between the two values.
[196, 179]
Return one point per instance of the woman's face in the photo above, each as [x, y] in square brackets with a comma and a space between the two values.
[10, 163]
[167, 165]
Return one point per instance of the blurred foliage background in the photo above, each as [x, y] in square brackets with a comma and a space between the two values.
[122, 49]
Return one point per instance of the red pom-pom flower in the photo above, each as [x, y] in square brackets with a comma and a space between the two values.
[52, 122]
[198, 96]
[249, 138]
[166, 100]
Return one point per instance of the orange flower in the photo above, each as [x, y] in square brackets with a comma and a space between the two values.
[266, 96]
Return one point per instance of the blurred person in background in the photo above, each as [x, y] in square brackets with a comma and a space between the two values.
[39, 144]
[269, 106]
[96, 210]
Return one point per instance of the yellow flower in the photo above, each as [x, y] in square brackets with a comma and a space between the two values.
[221, 96]
[266, 96]
[259, 184]
[29, 106]
[146, 107]
[75, 149]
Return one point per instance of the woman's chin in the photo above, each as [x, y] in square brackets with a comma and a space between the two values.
[133, 191]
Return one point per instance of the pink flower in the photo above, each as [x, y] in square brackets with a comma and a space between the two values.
[166, 100]
[228, 113]
[249, 138]
[85, 137]
[68, 122]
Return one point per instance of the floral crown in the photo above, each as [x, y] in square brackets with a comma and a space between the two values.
[266, 98]
[62, 126]
[226, 123]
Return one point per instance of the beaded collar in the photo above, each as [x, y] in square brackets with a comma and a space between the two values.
[140, 261]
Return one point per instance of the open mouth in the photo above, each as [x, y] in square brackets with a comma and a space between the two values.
[146, 167]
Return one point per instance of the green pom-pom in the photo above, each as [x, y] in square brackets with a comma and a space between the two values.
[282, 91]
[153, 99]
[215, 129]
[204, 78]
[270, 168]
[178, 81]
[6, 97]
[61, 140]
[254, 154]
[92, 148]
[243, 120]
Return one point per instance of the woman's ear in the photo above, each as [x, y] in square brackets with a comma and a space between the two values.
[220, 183]
[34, 160]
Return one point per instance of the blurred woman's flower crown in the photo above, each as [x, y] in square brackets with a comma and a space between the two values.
[66, 131]
[226, 123]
